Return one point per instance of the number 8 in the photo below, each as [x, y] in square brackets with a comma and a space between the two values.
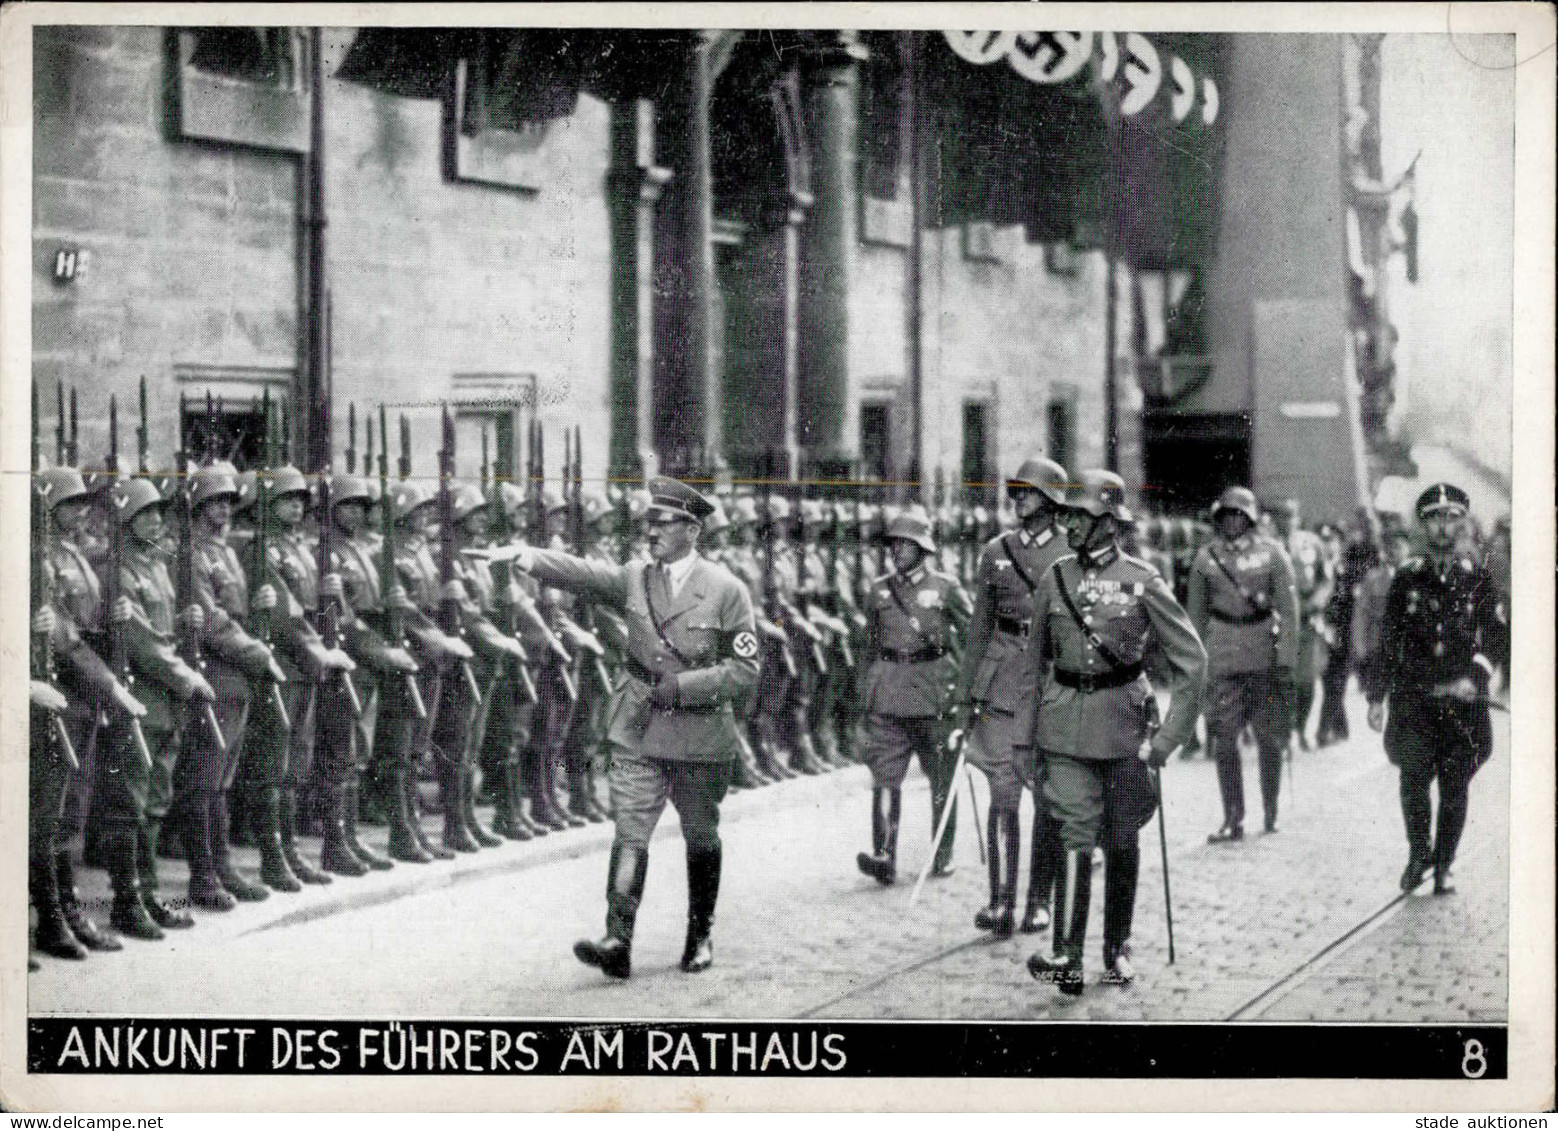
[1474, 1055]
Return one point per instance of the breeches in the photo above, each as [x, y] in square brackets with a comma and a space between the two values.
[640, 788]
[992, 747]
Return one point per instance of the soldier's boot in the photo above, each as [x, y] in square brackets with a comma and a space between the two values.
[1230, 784]
[1011, 834]
[484, 837]
[768, 759]
[827, 745]
[1064, 966]
[942, 796]
[288, 817]
[579, 804]
[703, 874]
[275, 870]
[550, 812]
[456, 836]
[512, 822]
[128, 915]
[413, 795]
[804, 758]
[1121, 868]
[1270, 785]
[558, 792]
[599, 812]
[746, 762]
[526, 812]
[374, 859]
[987, 917]
[404, 844]
[91, 936]
[1418, 817]
[148, 835]
[1043, 864]
[335, 855]
[882, 862]
[241, 886]
[205, 886]
[54, 935]
[1447, 838]
[613, 954]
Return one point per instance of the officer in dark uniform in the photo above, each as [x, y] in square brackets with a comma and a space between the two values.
[692, 651]
[1441, 628]
[915, 618]
[993, 684]
[1244, 603]
[1095, 615]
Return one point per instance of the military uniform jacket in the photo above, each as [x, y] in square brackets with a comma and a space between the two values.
[418, 572]
[362, 633]
[1244, 604]
[1368, 611]
[1129, 607]
[913, 623]
[161, 674]
[84, 677]
[1311, 574]
[476, 612]
[709, 646]
[293, 573]
[1441, 622]
[222, 590]
[995, 667]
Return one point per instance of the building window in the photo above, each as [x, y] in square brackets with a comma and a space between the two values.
[1061, 416]
[240, 86]
[505, 96]
[495, 406]
[978, 480]
[875, 442]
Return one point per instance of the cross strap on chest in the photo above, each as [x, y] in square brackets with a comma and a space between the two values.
[1109, 655]
[1251, 599]
[659, 625]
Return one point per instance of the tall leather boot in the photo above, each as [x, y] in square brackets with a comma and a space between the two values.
[514, 787]
[986, 918]
[543, 802]
[54, 935]
[882, 862]
[943, 793]
[91, 936]
[592, 794]
[413, 795]
[404, 844]
[555, 794]
[750, 774]
[1417, 815]
[527, 807]
[484, 837]
[205, 886]
[1450, 824]
[288, 822]
[456, 835]
[1230, 783]
[1011, 835]
[275, 871]
[1121, 868]
[503, 824]
[335, 855]
[128, 916]
[827, 741]
[803, 758]
[578, 795]
[148, 835]
[613, 954]
[374, 859]
[1043, 865]
[1064, 967]
[241, 886]
[703, 873]
[768, 759]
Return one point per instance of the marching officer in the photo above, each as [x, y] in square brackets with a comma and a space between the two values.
[281, 759]
[692, 651]
[136, 798]
[993, 683]
[1441, 628]
[1314, 578]
[236, 660]
[1095, 615]
[57, 808]
[915, 616]
[1244, 604]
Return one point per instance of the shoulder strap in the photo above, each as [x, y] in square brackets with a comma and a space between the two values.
[1093, 638]
[1250, 599]
[654, 619]
[1027, 578]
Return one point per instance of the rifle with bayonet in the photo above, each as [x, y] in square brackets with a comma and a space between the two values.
[329, 608]
[394, 614]
[42, 655]
[562, 658]
[770, 582]
[59, 428]
[184, 574]
[260, 619]
[574, 486]
[118, 646]
[509, 598]
[351, 443]
[449, 603]
[142, 435]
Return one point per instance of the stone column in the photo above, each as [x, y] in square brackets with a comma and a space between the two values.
[791, 211]
[830, 77]
[636, 183]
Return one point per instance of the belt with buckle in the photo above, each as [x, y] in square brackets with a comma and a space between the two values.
[923, 656]
[1015, 626]
[1087, 682]
[1249, 618]
[641, 673]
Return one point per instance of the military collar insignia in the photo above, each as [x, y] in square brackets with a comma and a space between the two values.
[1105, 556]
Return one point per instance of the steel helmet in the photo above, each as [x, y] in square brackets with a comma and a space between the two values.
[468, 499]
[132, 496]
[717, 520]
[511, 497]
[1099, 493]
[60, 485]
[552, 500]
[1240, 499]
[285, 480]
[405, 497]
[745, 511]
[912, 526]
[349, 489]
[1045, 476]
[213, 482]
[597, 509]
[779, 508]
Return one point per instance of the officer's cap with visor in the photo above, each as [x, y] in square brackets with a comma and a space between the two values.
[1443, 498]
[670, 499]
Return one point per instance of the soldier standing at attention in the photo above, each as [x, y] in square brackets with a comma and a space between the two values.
[1313, 576]
[1244, 605]
[1441, 628]
[1095, 615]
[915, 616]
[692, 652]
[992, 684]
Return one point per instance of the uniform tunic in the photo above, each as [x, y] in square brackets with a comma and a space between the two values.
[994, 676]
[1091, 736]
[84, 677]
[234, 660]
[343, 744]
[709, 647]
[294, 574]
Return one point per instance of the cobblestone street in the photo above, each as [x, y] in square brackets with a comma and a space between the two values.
[801, 933]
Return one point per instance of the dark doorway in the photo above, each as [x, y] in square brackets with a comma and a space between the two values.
[977, 485]
[234, 432]
[1188, 460]
[875, 445]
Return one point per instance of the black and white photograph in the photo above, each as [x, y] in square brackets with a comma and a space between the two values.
[777, 557]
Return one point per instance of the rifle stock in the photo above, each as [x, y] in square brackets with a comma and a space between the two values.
[184, 576]
[394, 622]
[119, 658]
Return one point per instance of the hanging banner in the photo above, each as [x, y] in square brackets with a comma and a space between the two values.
[1050, 56]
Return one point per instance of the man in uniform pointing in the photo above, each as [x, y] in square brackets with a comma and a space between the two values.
[691, 652]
